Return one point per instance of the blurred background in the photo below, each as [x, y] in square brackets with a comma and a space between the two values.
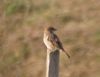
[22, 52]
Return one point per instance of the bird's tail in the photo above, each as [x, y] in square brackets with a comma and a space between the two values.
[66, 53]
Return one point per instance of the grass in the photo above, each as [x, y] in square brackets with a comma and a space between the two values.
[8, 61]
[21, 31]
[14, 7]
[25, 51]
[18, 6]
[97, 36]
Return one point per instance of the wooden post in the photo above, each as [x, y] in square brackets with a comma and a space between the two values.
[52, 68]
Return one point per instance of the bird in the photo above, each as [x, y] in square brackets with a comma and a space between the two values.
[52, 41]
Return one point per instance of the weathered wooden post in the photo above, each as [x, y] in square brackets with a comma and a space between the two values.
[52, 68]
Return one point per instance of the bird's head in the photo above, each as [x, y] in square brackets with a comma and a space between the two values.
[51, 29]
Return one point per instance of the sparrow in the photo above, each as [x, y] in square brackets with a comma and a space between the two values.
[52, 41]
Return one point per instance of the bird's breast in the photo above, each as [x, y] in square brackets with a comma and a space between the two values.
[48, 44]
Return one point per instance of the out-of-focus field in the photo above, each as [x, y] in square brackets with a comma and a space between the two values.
[22, 52]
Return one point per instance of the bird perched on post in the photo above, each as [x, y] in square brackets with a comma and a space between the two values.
[52, 41]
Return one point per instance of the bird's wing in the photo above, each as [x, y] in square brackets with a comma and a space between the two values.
[55, 41]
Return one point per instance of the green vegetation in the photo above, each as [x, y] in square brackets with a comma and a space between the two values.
[97, 37]
[15, 7]
[25, 51]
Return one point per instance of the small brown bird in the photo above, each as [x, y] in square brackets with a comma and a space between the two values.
[52, 41]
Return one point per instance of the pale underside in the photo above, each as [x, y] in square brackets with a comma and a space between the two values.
[49, 44]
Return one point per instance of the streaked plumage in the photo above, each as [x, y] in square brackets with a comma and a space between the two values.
[52, 41]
